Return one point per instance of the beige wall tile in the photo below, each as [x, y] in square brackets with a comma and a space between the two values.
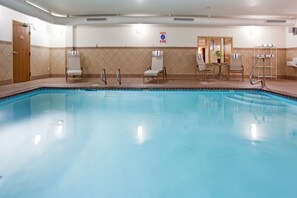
[290, 54]
[131, 60]
[6, 61]
[136, 60]
[178, 60]
[57, 61]
[40, 61]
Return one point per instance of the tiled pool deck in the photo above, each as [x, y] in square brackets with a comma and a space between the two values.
[282, 86]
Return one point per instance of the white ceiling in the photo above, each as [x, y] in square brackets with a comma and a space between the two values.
[248, 9]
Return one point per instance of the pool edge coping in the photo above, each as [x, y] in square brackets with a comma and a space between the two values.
[28, 90]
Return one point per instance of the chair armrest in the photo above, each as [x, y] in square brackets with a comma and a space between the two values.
[291, 63]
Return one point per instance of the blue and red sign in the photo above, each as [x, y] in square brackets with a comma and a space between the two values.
[162, 37]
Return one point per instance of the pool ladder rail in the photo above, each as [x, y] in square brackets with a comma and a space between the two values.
[103, 76]
[118, 76]
[262, 80]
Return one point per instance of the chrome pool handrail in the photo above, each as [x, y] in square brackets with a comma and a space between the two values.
[253, 70]
[118, 76]
[103, 76]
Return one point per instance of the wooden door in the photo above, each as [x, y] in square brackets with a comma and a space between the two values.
[21, 52]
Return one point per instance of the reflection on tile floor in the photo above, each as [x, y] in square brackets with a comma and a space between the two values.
[287, 87]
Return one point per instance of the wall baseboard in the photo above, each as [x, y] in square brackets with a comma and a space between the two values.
[57, 75]
[6, 82]
[291, 77]
[40, 77]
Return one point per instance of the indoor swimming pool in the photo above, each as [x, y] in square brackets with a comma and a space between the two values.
[148, 143]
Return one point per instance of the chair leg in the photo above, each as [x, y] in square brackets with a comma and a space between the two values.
[196, 72]
[165, 72]
[242, 75]
[143, 78]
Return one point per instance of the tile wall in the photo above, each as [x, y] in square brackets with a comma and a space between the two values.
[57, 61]
[132, 61]
[40, 62]
[291, 71]
[178, 60]
[5, 62]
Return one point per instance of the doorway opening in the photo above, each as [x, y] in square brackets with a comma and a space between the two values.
[214, 48]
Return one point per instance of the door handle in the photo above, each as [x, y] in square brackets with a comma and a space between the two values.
[14, 52]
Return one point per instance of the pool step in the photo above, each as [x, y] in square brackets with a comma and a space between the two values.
[256, 96]
[255, 99]
[111, 94]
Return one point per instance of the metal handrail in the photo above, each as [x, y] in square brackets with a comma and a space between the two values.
[103, 76]
[118, 76]
[253, 70]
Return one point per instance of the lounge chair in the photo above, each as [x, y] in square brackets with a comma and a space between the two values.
[292, 63]
[203, 67]
[73, 68]
[157, 66]
[236, 65]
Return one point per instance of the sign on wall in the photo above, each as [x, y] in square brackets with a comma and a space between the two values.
[162, 37]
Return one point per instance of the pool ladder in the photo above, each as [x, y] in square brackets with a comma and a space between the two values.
[118, 76]
[262, 80]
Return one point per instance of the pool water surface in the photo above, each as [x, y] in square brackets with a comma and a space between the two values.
[140, 143]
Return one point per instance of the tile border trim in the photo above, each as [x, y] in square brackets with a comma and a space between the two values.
[5, 42]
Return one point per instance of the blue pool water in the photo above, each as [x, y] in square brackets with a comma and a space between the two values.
[148, 144]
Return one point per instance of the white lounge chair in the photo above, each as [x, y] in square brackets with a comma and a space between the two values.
[73, 68]
[236, 65]
[203, 67]
[292, 63]
[157, 66]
